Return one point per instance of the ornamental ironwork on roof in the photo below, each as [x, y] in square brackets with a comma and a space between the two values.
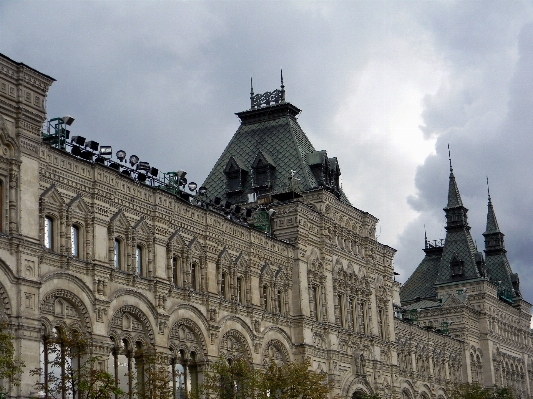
[270, 154]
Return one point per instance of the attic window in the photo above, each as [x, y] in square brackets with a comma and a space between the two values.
[263, 170]
[456, 266]
[235, 175]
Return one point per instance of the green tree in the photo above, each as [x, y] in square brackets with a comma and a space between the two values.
[240, 380]
[155, 380]
[72, 371]
[10, 365]
[475, 391]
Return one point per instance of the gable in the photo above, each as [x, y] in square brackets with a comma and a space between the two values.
[53, 197]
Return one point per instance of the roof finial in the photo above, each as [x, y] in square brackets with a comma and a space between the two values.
[251, 92]
[450, 158]
[425, 237]
[488, 188]
[282, 88]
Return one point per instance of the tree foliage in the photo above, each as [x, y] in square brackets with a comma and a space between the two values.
[72, 371]
[475, 391]
[10, 365]
[156, 379]
[240, 380]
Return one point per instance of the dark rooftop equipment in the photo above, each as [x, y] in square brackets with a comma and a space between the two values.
[106, 151]
[76, 151]
[141, 177]
[121, 155]
[92, 145]
[87, 155]
[143, 166]
[78, 140]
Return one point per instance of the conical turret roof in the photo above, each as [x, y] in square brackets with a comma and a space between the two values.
[492, 223]
[454, 197]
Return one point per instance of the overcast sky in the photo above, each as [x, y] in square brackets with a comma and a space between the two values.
[384, 86]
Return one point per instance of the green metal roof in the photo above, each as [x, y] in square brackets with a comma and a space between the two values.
[274, 132]
[436, 268]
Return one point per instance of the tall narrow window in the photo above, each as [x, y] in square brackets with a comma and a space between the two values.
[316, 295]
[139, 259]
[175, 271]
[280, 304]
[265, 297]
[223, 285]
[366, 327]
[117, 255]
[48, 232]
[74, 241]
[239, 290]
[193, 276]
[342, 311]
[383, 321]
[355, 316]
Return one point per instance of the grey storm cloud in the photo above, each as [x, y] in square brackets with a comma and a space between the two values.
[383, 85]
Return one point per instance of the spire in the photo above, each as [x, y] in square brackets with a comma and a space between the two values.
[282, 88]
[251, 92]
[492, 223]
[454, 198]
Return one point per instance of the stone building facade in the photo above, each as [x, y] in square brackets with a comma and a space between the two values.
[272, 263]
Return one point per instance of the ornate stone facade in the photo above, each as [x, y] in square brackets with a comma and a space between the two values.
[84, 246]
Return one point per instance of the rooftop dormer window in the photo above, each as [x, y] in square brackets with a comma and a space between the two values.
[263, 172]
[236, 173]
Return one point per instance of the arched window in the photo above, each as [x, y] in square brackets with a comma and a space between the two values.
[75, 241]
[49, 233]
[60, 359]
[139, 260]
[117, 259]
[178, 377]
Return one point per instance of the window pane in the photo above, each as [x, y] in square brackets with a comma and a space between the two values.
[117, 254]
[74, 237]
[48, 227]
[138, 256]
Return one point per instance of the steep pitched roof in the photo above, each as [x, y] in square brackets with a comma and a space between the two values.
[492, 223]
[498, 267]
[273, 133]
[422, 281]
[460, 259]
[454, 198]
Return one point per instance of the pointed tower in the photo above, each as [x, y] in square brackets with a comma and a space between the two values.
[270, 155]
[460, 259]
[456, 260]
[496, 263]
